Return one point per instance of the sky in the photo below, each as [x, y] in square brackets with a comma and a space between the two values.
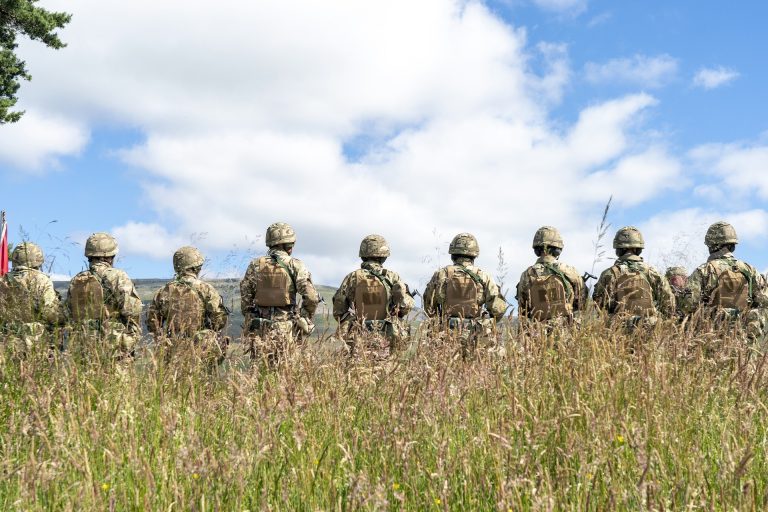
[170, 123]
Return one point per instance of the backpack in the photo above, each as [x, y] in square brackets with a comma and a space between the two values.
[633, 293]
[16, 302]
[548, 296]
[371, 296]
[461, 293]
[273, 283]
[86, 298]
[733, 289]
[185, 310]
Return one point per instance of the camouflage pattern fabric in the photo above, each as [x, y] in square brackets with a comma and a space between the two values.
[27, 329]
[470, 332]
[392, 329]
[704, 280]
[273, 324]
[677, 278]
[122, 330]
[544, 267]
[605, 294]
[207, 336]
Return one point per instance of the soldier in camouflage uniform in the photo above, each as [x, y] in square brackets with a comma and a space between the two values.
[273, 319]
[677, 277]
[372, 299]
[102, 302]
[29, 305]
[631, 290]
[550, 291]
[463, 299]
[727, 290]
[187, 311]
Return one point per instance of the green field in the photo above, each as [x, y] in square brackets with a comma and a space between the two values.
[597, 421]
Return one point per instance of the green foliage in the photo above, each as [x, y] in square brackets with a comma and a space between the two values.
[22, 17]
[597, 421]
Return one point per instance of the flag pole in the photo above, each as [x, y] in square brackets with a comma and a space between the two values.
[3, 244]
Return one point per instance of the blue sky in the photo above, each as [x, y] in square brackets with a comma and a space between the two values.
[416, 121]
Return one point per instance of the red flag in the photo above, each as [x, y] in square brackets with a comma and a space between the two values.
[3, 248]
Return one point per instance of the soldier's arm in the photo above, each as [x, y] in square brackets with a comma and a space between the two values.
[580, 292]
[128, 299]
[690, 299]
[155, 313]
[601, 295]
[341, 300]
[430, 301]
[402, 301]
[494, 302]
[248, 290]
[49, 306]
[760, 292]
[666, 297]
[520, 292]
[215, 312]
[305, 288]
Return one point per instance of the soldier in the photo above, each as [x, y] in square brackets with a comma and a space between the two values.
[632, 289]
[726, 288]
[549, 290]
[463, 297]
[29, 305]
[677, 277]
[372, 298]
[102, 302]
[188, 309]
[268, 296]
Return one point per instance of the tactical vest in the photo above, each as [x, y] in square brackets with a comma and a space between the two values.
[371, 296]
[461, 293]
[733, 289]
[273, 283]
[634, 294]
[86, 298]
[16, 302]
[549, 296]
[186, 311]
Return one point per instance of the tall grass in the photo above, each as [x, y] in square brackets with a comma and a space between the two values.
[595, 419]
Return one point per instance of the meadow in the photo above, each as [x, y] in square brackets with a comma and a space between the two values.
[593, 419]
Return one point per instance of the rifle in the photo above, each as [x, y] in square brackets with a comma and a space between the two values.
[587, 276]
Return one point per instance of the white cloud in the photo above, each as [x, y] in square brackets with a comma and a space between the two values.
[739, 167]
[150, 240]
[639, 70]
[712, 78]
[38, 140]
[246, 110]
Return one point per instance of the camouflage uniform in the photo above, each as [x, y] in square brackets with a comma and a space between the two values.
[29, 305]
[275, 328]
[704, 282]
[608, 294]
[353, 324]
[553, 310]
[489, 304]
[120, 324]
[171, 323]
[677, 277]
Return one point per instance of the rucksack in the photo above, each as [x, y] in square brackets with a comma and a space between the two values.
[273, 283]
[371, 296]
[733, 289]
[86, 298]
[185, 310]
[633, 293]
[548, 296]
[461, 293]
[16, 302]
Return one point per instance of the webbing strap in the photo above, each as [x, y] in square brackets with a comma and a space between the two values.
[285, 267]
[559, 273]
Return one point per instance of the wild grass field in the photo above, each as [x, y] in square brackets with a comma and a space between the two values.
[593, 420]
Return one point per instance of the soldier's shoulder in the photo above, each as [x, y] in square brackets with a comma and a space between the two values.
[116, 273]
[391, 275]
[568, 269]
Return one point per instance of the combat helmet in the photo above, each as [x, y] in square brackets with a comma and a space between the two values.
[187, 258]
[464, 244]
[100, 245]
[720, 233]
[676, 271]
[27, 254]
[547, 236]
[628, 237]
[374, 246]
[280, 233]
